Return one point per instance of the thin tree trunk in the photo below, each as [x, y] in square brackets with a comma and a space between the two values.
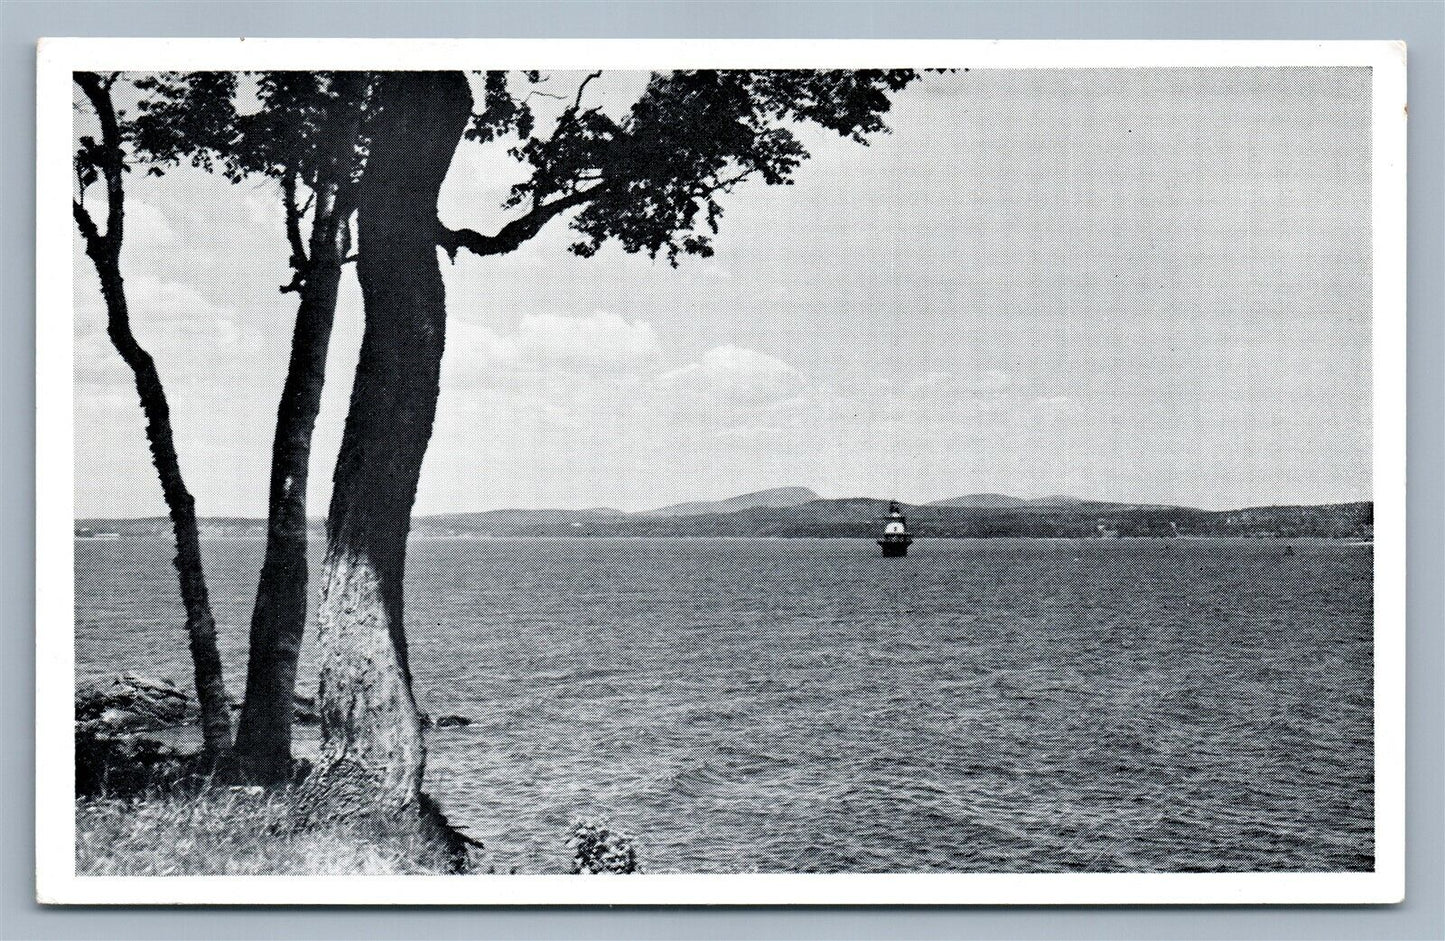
[278, 621]
[104, 251]
[372, 755]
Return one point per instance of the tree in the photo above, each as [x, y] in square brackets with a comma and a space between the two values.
[263, 740]
[649, 181]
[372, 747]
[307, 136]
[105, 160]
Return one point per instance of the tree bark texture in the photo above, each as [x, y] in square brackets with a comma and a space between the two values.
[278, 620]
[104, 251]
[372, 755]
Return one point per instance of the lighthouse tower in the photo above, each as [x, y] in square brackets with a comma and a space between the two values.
[896, 540]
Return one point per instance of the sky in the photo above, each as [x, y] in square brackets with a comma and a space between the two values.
[1145, 285]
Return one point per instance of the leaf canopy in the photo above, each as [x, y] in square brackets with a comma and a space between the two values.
[196, 119]
[650, 180]
[655, 176]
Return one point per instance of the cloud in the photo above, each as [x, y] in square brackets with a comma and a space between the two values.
[600, 340]
[147, 226]
[734, 375]
[173, 322]
[946, 383]
[549, 347]
[154, 300]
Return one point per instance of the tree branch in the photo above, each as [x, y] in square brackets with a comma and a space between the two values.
[86, 225]
[511, 236]
[293, 221]
[577, 102]
[298, 260]
[112, 163]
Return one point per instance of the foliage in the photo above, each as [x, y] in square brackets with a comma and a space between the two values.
[127, 764]
[597, 848]
[194, 118]
[652, 180]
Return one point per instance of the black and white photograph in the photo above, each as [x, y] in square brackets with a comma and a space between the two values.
[856, 472]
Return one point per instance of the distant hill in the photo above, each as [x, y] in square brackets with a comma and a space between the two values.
[1058, 500]
[500, 522]
[799, 512]
[777, 497]
[983, 501]
[863, 518]
[1002, 501]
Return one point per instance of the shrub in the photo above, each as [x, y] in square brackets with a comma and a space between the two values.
[119, 765]
[597, 848]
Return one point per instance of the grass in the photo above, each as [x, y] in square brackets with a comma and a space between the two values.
[145, 808]
[235, 831]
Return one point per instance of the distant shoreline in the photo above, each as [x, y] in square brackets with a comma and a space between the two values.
[857, 518]
[430, 537]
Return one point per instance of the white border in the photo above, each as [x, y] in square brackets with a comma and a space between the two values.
[56, 882]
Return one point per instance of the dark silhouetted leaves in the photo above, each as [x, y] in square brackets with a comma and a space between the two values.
[651, 181]
[654, 178]
[193, 118]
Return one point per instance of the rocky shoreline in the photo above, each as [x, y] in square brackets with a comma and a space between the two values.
[127, 703]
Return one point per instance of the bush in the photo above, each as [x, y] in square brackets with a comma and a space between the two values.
[127, 765]
[597, 848]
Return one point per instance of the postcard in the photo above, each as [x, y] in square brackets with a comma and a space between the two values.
[720, 472]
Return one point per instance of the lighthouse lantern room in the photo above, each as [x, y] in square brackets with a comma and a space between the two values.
[896, 540]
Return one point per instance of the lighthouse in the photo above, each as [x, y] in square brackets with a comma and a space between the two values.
[895, 541]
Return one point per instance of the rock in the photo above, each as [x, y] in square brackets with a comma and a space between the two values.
[128, 703]
[131, 703]
[442, 722]
[121, 720]
[305, 710]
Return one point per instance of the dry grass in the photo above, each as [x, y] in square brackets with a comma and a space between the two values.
[234, 831]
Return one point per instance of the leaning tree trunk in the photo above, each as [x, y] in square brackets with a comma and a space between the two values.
[104, 251]
[278, 621]
[200, 624]
[372, 754]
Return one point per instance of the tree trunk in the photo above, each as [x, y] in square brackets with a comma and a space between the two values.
[200, 624]
[278, 621]
[372, 756]
[104, 251]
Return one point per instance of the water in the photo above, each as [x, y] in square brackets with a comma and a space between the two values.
[1001, 705]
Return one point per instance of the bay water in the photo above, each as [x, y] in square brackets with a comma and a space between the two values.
[796, 705]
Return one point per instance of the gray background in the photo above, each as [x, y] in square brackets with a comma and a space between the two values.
[1420, 24]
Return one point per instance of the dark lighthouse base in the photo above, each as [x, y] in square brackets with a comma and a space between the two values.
[894, 548]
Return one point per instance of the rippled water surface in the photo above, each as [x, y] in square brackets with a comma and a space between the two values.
[801, 705]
